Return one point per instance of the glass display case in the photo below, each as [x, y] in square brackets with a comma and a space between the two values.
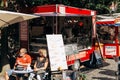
[76, 30]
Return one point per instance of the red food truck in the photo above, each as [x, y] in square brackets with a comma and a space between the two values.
[108, 32]
[77, 26]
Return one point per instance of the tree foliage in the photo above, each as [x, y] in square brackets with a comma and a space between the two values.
[101, 6]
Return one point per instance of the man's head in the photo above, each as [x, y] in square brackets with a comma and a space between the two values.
[22, 51]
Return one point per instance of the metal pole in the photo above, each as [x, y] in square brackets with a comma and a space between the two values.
[99, 47]
[56, 25]
[56, 22]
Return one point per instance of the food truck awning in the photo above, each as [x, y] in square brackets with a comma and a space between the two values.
[61, 10]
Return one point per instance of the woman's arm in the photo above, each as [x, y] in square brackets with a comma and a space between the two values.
[45, 66]
[35, 65]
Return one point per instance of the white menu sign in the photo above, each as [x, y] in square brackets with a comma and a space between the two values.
[56, 52]
[110, 50]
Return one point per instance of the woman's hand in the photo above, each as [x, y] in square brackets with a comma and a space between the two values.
[36, 69]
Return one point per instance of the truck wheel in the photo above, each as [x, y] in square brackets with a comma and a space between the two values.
[76, 65]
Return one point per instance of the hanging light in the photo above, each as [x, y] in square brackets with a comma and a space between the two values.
[80, 23]
[72, 21]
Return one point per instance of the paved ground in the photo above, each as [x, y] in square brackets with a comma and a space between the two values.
[107, 72]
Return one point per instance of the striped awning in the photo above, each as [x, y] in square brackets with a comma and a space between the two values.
[105, 23]
[110, 22]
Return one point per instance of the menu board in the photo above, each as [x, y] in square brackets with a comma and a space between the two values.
[110, 50]
[56, 52]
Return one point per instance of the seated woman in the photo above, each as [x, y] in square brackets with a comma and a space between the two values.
[40, 65]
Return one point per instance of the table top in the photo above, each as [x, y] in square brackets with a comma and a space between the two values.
[22, 72]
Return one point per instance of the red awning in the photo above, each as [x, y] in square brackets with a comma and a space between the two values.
[61, 10]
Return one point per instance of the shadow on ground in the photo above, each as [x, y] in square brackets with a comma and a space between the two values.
[102, 78]
[88, 69]
[108, 72]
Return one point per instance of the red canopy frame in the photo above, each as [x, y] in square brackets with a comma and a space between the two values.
[62, 10]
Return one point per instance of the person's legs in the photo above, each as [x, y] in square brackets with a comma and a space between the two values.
[40, 76]
[31, 76]
[20, 76]
[7, 74]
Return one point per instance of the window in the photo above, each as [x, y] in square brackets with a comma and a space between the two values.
[76, 30]
[106, 34]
